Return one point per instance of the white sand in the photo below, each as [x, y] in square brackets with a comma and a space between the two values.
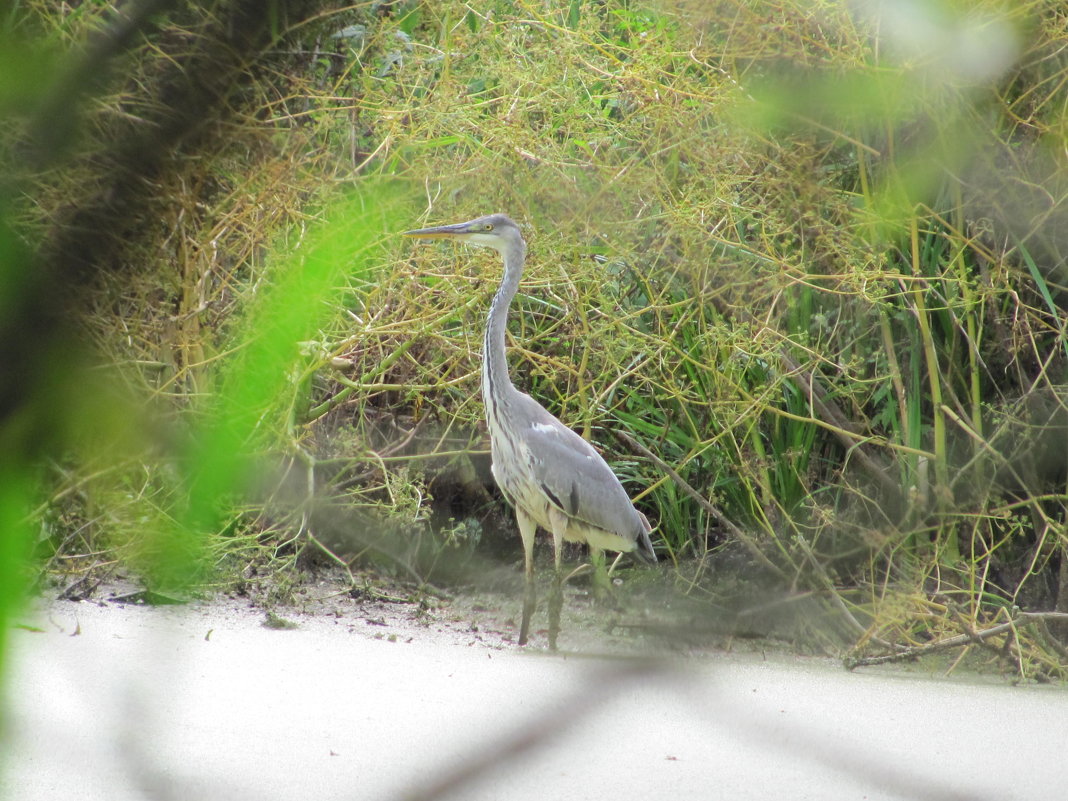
[142, 703]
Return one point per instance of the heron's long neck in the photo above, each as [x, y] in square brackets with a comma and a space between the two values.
[496, 384]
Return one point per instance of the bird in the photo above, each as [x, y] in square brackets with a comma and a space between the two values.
[551, 476]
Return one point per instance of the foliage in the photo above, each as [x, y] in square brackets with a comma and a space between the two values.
[811, 254]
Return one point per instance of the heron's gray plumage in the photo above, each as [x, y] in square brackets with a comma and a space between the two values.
[584, 485]
[552, 476]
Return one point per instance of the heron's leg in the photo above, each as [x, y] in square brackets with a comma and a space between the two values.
[602, 584]
[527, 527]
[556, 594]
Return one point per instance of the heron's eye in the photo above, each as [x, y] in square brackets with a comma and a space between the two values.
[488, 226]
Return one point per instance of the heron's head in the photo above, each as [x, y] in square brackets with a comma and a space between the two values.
[495, 231]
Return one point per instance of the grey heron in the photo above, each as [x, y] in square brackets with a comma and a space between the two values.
[551, 476]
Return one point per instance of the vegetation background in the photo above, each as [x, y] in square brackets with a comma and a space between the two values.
[798, 268]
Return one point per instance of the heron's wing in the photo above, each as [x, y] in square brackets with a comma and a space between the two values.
[575, 478]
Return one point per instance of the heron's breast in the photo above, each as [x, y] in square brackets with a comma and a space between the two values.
[513, 470]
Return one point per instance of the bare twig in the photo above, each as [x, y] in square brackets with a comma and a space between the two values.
[969, 637]
[525, 741]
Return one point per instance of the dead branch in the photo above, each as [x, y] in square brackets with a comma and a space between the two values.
[970, 637]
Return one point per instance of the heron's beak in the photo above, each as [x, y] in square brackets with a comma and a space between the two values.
[440, 232]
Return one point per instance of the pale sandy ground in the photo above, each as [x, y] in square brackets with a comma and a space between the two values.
[124, 702]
